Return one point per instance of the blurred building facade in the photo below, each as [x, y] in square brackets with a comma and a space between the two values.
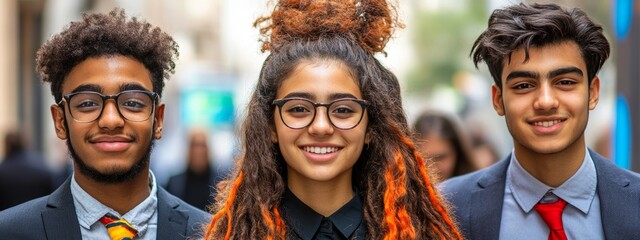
[220, 61]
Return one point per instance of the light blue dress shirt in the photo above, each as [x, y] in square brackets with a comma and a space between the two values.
[581, 217]
[143, 217]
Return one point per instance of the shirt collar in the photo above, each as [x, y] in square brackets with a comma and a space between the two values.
[305, 221]
[579, 190]
[89, 210]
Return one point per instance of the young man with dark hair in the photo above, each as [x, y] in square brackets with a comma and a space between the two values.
[544, 60]
[107, 73]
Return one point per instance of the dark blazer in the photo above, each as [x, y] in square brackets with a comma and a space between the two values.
[23, 177]
[477, 200]
[54, 217]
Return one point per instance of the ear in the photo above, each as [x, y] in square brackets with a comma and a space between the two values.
[274, 136]
[367, 136]
[594, 93]
[158, 119]
[496, 98]
[57, 114]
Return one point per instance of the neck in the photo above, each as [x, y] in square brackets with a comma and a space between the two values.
[121, 197]
[323, 197]
[552, 169]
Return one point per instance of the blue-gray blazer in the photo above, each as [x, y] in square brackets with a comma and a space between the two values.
[477, 200]
[54, 217]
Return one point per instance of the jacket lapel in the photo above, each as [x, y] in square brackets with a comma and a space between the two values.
[618, 201]
[60, 220]
[172, 223]
[485, 206]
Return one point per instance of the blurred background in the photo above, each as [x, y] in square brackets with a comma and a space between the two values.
[220, 62]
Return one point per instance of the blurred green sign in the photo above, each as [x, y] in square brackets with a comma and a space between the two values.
[206, 106]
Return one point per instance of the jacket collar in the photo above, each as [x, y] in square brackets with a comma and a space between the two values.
[614, 190]
[614, 187]
[486, 202]
[59, 218]
[172, 222]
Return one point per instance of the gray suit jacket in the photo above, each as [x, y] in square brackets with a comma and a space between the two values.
[54, 217]
[477, 200]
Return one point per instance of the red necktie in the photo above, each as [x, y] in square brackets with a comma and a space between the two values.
[551, 213]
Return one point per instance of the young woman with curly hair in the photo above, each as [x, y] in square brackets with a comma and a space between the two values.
[326, 151]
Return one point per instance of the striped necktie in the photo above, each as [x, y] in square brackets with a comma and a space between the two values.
[118, 229]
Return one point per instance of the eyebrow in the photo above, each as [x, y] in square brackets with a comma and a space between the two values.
[552, 74]
[335, 96]
[98, 88]
[522, 74]
[88, 88]
[566, 70]
[310, 96]
[132, 86]
[300, 95]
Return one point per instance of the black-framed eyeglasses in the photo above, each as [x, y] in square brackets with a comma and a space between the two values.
[132, 105]
[344, 113]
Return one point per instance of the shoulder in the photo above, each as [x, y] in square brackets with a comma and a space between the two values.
[633, 177]
[461, 182]
[176, 205]
[177, 218]
[457, 190]
[619, 193]
[606, 169]
[465, 183]
[27, 210]
[23, 221]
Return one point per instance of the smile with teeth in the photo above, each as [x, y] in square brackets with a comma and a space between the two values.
[547, 123]
[320, 150]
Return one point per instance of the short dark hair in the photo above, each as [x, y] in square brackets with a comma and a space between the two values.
[99, 34]
[523, 26]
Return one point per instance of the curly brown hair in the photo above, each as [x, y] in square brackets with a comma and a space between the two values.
[99, 34]
[523, 26]
[399, 199]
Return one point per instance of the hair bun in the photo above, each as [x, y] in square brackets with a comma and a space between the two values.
[369, 22]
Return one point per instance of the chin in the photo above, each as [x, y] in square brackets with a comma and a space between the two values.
[551, 149]
[117, 173]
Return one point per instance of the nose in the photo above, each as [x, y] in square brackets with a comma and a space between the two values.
[321, 124]
[546, 99]
[110, 117]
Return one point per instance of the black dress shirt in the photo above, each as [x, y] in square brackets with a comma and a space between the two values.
[306, 224]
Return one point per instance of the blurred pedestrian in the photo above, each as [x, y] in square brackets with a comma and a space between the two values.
[444, 143]
[484, 151]
[24, 174]
[196, 185]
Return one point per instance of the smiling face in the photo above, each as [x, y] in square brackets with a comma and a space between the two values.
[319, 152]
[109, 149]
[546, 100]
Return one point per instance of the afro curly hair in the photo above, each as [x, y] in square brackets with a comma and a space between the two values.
[99, 34]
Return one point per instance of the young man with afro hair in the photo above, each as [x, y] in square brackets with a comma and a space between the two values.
[107, 73]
